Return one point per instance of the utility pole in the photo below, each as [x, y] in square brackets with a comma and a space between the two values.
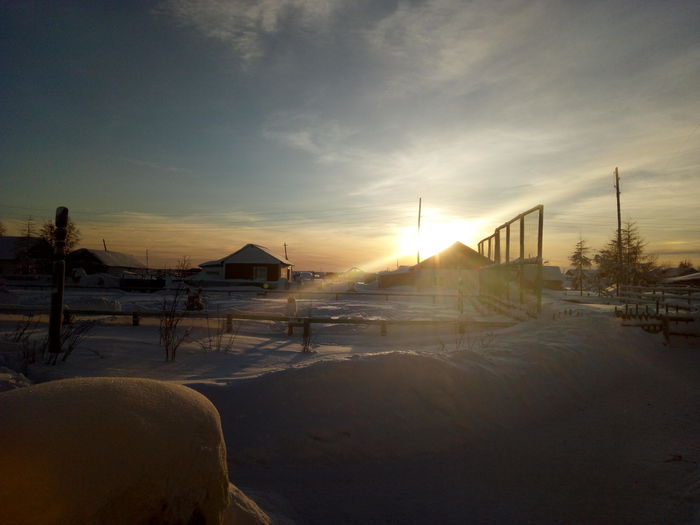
[104, 244]
[285, 251]
[621, 271]
[418, 243]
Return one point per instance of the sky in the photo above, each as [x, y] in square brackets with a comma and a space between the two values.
[190, 128]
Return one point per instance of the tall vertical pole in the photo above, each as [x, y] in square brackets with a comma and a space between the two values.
[620, 268]
[418, 243]
[59, 272]
[285, 251]
[540, 269]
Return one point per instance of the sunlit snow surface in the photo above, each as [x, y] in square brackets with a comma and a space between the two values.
[115, 348]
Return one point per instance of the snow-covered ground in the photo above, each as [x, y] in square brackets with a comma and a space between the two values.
[571, 418]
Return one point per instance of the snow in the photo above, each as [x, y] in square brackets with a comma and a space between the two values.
[572, 417]
[111, 451]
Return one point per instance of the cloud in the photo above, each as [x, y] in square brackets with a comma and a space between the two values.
[244, 24]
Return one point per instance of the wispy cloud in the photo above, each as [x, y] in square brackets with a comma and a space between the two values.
[245, 23]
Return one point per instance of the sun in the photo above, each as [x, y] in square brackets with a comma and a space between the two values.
[434, 237]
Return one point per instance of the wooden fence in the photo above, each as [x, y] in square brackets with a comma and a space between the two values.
[461, 324]
[660, 299]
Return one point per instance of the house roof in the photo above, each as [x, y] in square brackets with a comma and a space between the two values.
[456, 256]
[684, 279]
[250, 254]
[112, 259]
[11, 246]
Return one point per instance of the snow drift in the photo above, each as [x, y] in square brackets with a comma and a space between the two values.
[111, 451]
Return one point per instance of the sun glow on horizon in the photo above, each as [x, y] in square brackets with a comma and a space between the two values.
[434, 237]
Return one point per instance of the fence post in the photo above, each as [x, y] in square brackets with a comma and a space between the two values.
[382, 328]
[59, 273]
[135, 319]
[229, 323]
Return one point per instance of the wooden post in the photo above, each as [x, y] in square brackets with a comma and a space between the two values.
[382, 329]
[59, 273]
[497, 247]
[522, 257]
[508, 242]
[229, 323]
[135, 319]
[540, 259]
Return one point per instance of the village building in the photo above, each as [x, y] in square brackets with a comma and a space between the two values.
[552, 278]
[456, 267]
[103, 261]
[252, 263]
[24, 255]
[692, 279]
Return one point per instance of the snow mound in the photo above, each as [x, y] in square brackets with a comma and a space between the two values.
[111, 451]
[399, 404]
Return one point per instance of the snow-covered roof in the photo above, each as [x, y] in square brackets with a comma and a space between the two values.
[693, 277]
[457, 255]
[217, 262]
[250, 254]
[112, 259]
[400, 269]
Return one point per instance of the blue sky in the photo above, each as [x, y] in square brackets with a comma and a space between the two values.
[194, 127]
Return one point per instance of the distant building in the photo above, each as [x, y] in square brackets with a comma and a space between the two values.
[456, 267]
[692, 279]
[102, 261]
[24, 255]
[552, 278]
[252, 263]
[402, 276]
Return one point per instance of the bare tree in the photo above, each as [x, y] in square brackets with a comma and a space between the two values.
[48, 232]
[171, 314]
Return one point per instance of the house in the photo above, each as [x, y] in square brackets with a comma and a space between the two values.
[402, 276]
[252, 263]
[552, 278]
[692, 279]
[24, 255]
[455, 267]
[103, 261]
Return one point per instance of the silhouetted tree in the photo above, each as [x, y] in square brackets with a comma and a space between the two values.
[29, 228]
[638, 268]
[686, 264]
[48, 232]
[580, 260]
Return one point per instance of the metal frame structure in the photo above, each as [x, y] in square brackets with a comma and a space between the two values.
[505, 269]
